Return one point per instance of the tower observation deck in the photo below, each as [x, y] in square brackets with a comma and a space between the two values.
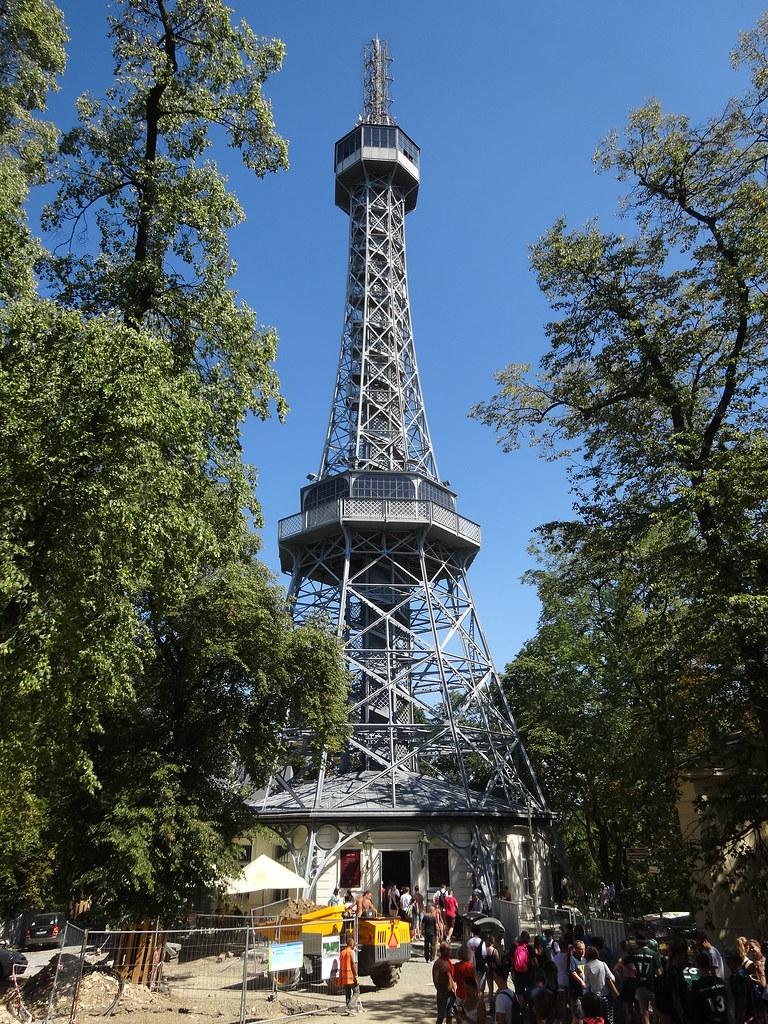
[379, 548]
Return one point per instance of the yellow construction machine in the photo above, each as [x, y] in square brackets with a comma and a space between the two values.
[384, 945]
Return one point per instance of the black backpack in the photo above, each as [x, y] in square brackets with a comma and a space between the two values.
[662, 992]
[479, 959]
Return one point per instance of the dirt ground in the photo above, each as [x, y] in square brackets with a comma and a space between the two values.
[413, 994]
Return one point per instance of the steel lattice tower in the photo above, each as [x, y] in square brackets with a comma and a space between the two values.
[379, 549]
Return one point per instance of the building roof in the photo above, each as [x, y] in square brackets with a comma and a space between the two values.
[369, 795]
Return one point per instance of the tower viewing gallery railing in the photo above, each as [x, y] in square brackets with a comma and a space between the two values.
[414, 512]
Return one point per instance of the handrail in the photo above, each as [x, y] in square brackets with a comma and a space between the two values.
[380, 510]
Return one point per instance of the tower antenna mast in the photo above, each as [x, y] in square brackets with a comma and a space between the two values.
[376, 80]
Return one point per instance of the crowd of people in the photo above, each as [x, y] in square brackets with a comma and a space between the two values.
[576, 979]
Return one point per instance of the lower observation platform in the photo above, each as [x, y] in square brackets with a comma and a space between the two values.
[394, 515]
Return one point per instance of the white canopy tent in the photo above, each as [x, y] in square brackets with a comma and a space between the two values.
[263, 873]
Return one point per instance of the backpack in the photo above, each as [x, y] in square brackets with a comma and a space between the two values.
[520, 963]
[479, 959]
[662, 992]
[512, 1013]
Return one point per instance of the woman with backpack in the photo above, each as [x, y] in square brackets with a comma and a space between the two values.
[522, 962]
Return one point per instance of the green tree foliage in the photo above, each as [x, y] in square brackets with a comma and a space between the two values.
[596, 704]
[655, 380]
[230, 673]
[32, 55]
[146, 658]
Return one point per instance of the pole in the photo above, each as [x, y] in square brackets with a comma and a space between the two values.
[536, 907]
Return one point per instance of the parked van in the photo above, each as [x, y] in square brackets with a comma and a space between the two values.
[37, 928]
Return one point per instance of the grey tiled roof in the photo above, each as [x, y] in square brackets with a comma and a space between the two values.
[372, 795]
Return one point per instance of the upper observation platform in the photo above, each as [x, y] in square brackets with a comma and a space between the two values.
[376, 151]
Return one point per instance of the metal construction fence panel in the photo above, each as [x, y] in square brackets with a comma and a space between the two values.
[243, 966]
[612, 930]
[517, 917]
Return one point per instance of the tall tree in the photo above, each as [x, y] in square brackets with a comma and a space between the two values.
[655, 375]
[596, 701]
[32, 55]
[176, 765]
[122, 497]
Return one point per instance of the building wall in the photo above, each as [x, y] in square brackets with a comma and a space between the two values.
[729, 916]
[521, 865]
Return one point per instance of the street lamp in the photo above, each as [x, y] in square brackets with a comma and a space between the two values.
[424, 847]
[367, 845]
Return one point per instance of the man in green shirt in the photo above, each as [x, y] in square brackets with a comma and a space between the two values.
[647, 965]
[681, 976]
[710, 995]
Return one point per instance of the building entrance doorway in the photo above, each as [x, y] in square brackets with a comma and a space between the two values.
[395, 867]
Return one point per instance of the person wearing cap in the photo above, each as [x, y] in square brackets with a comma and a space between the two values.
[475, 904]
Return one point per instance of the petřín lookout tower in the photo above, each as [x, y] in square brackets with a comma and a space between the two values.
[434, 785]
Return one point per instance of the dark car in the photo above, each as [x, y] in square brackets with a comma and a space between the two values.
[11, 961]
[41, 928]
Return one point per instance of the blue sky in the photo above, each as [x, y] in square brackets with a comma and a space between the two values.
[507, 101]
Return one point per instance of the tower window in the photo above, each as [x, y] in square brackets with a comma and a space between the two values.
[429, 492]
[380, 136]
[379, 485]
[327, 490]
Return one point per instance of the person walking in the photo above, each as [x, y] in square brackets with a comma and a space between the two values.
[417, 912]
[393, 900]
[347, 977]
[429, 931]
[492, 964]
[576, 983]
[507, 1008]
[450, 909]
[405, 906]
[601, 981]
[647, 963]
[445, 986]
[472, 1010]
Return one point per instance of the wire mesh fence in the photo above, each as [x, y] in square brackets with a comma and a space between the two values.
[247, 968]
